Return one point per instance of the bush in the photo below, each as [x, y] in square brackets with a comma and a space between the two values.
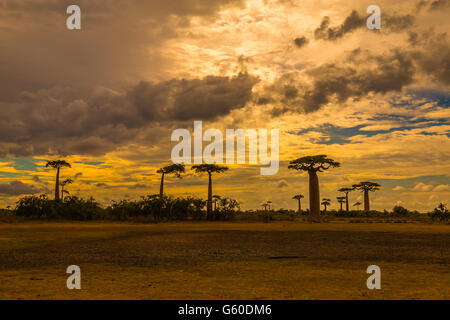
[440, 213]
[72, 208]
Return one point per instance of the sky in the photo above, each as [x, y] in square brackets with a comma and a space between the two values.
[107, 98]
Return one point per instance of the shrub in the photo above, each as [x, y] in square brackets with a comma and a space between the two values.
[440, 213]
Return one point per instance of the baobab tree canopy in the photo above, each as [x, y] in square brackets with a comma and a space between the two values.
[367, 186]
[175, 169]
[58, 164]
[209, 168]
[317, 163]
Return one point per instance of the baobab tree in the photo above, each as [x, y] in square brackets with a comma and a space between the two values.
[299, 197]
[366, 186]
[325, 202]
[269, 203]
[312, 165]
[63, 184]
[209, 169]
[57, 164]
[341, 200]
[357, 204]
[175, 169]
[346, 191]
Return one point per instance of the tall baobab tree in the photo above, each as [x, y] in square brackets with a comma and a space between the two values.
[341, 200]
[209, 169]
[312, 165]
[357, 204]
[366, 186]
[57, 164]
[269, 204]
[299, 197]
[346, 191]
[325, 202]
[63, 184]
[175, 169]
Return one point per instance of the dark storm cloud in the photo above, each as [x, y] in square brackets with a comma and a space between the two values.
[17, 188]
[352, 22]
[112, 46]
[360, 74]
[393, 72]
[355, 21]
[82, 121]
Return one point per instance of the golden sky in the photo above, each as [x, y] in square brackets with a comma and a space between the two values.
[107, 97]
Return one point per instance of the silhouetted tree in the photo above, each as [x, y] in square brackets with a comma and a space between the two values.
[326, 202]
[175, 169]
[63, 184]
[269, 203]
[312, 165]
[216, 198]
[346, 191]
[357, 204]
[366, 186]
[299, 197]
[341, 200]
[210, 169]
[57, 164]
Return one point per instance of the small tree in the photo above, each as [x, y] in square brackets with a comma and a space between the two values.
[346, 192]
[312, 165]
[209, 169]
[366, 186]
[299, 197]
[341, 200]
[357, 204]
[63, 184]
[326, 202]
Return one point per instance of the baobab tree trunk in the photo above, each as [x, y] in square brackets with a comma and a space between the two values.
[346, 201]
[62, 193]
[314, 197]
[209, 203]
[341, 205]
[299, 206]
[57, 185]
[366, 201]
[161, 188]
[325, 211]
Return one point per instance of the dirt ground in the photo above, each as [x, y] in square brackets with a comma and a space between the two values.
[204, 260]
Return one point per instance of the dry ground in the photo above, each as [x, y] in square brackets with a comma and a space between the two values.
[224, 260]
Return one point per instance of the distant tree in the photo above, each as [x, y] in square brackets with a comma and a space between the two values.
[299, 197]
[216, 198]
[57, 164]
[357, 204]
[341, 200]
[366, 186]
[209, 169]
[312, 165]
[346, 191]
[63, 184]
[326, 202]
[175, 169]
[269, 203]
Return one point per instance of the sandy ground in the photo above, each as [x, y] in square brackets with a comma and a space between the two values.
[204, 260]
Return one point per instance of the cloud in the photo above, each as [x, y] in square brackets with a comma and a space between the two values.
[442, 188]
[16, 188]
[355, 21]
[421, 187]
[300, 42]
[282, 184]
[93, 122]
[398, 188]
[352, 22]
